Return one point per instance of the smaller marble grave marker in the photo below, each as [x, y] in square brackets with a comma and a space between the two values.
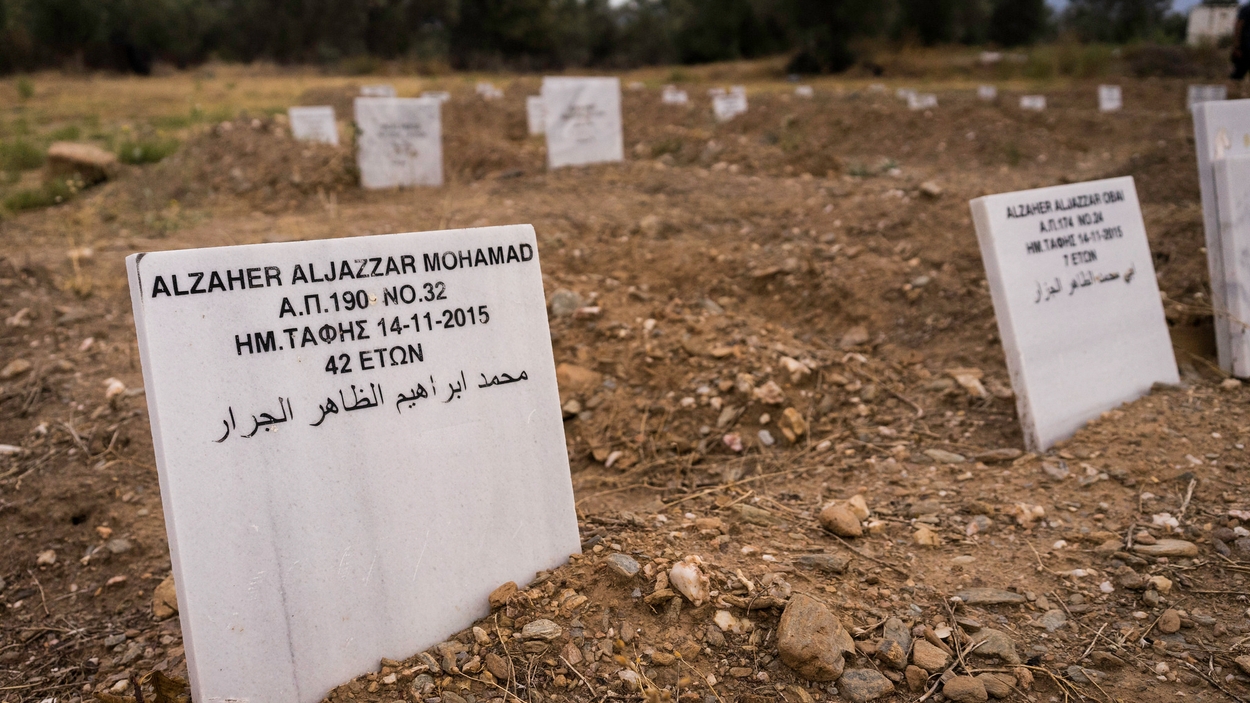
[400, 142]
[987, 93]
[1037, 103]
[488, 91]
[535, 116]
[1205, 94]
[1232, 187]
[583, 121]
[314, 124]
[922, 101]
[356, 439]
[440, 95]
[1078, 309]
[671, 95]
[729, 105]
[804, 91]
[1110, 98]
[380, 90]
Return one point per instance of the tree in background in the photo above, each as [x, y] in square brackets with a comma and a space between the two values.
[1116, 20]
[1018, 22]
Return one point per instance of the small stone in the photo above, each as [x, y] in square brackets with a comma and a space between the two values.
[965, 689]
[1169, 622]
[500, 596]
[689, 580]
[565, 302]
[1230, 384]
[756, 516]
[828, 563]
[1168, 548]
[930, 189]
[997, 685]
[942, 456]
[928, 657]
[498, 666]
[792, 424]
[862, 685]
[114, 640]
[808, 639]
[1243, 663]
[1056, 470]
[995, 644]
[895, 630]
[165, 599]
[770, 394]
[45, 558]
[118, 546]
[1106, 660]
[892, 654]
[766, 438]
[1162, 584]
[995, 456]
[1053, 620]
[89, 162]
[840, 520]
[14, 368]
[1080, 674]
[623, 565]
[917, 678]
[854, 337]
[989, 596]
[926, 537]
[859, 506]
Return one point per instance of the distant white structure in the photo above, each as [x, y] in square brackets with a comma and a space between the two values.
[987, 93]
[1037, 103]
[672, 96]
[1110, 98]
[1210, 23]
[922, 101]
[379, 90]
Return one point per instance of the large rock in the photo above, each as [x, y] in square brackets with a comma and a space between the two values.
[91, 163]
[841, 521]
[863, 685]
[576, 381]
[995, 644]
[929, 657]
[997, 685]
[810, 638]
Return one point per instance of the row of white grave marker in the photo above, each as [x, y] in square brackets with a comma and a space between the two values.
[445, 343]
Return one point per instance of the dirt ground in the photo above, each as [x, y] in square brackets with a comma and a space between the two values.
[768, 311]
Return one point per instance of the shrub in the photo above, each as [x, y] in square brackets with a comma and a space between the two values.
[146, 150]
[20, 155]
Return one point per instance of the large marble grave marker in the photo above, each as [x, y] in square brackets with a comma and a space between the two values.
[314, 124]
[583, 121]
[400, 142]
[729, 105]
[357, 440]
[1198, 94]
[1232, 187]
[1221, 129]
[1078, 307]
[379, 90]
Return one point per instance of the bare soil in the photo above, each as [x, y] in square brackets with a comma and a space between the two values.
[793, 245]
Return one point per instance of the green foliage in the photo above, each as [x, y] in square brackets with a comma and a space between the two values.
[51, 193]
[1116, 21]
[25, 88]
[20, 155]
[145, 150]
[68, 133]
[1018, 22]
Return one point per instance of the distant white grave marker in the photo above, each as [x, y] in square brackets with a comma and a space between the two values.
[1205, 94]
[672, 96]
[1110, 98]
[989, 58]
[987, 93]
[1232, 186]
[637, 85]
[922, 101]
[400, 142]
[1037, 103]
[357, 440]
[905, 94]
[314, 124]
[1221, 130]
[728, 106]
[440, 95]
[1078, 307]
[583, 121]
[535, 116]
[804, 91]
[713, 92]
[380, 90]
[488, 91]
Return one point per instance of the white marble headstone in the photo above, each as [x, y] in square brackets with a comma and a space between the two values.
[1205, 94]
[356, 439]
[314, 124]
[440, 95]
[488, 91]
[380, 90]
[1033, 102]
[583, 121]
[535, 117]
[804, 91]
[400, 142]
[987, 92]
[1221, 129]
[671, 95]
[1232, 187]
[905, 94]
[922, 101]
[1077, 304]
[1110, 98]
[728, 106]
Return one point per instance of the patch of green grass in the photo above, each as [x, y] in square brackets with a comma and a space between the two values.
[146, 150]
[20, 155]
[68, 133]
[51, 193]
[25, 88]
